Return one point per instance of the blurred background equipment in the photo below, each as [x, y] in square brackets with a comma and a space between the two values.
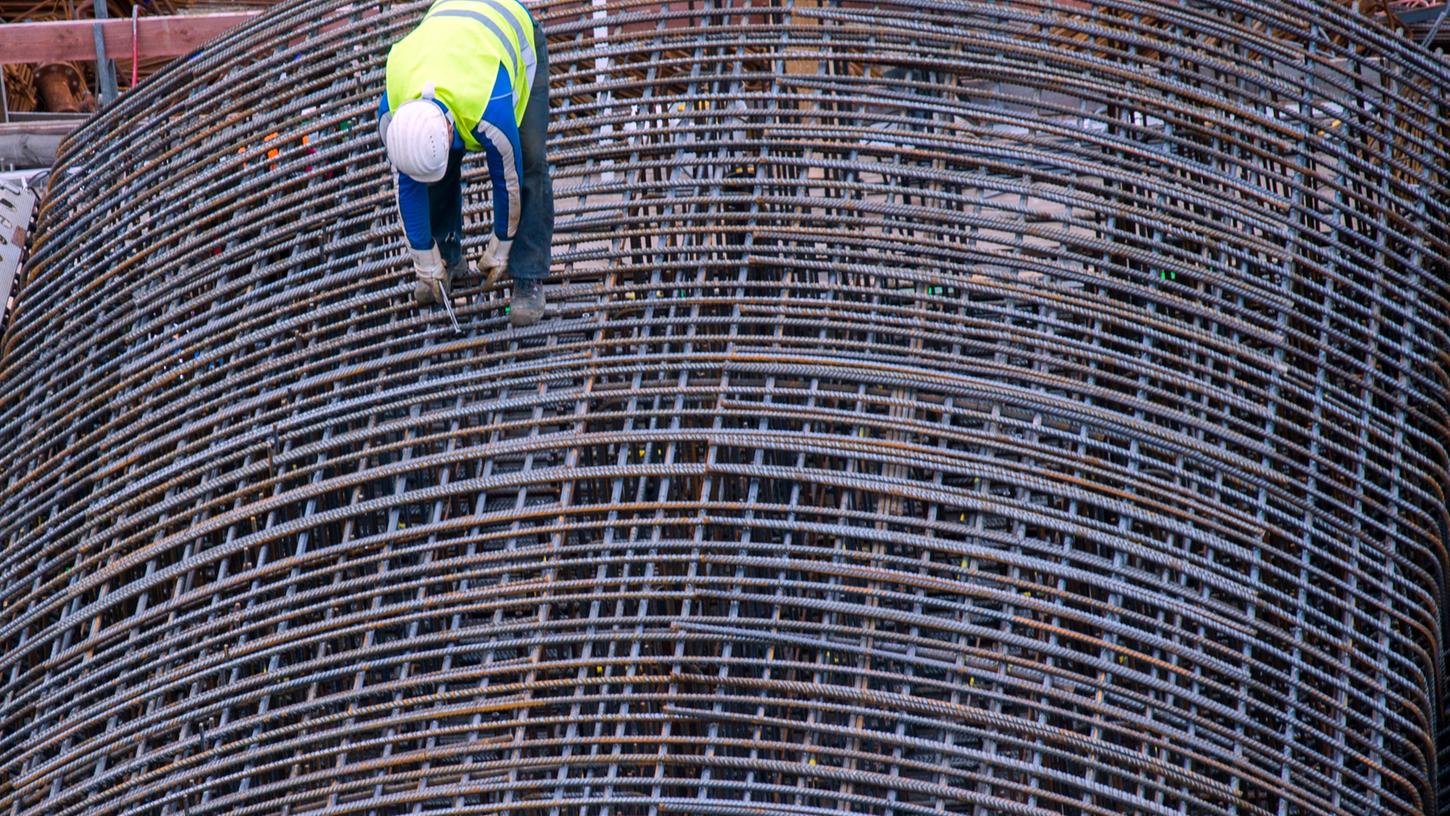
[1424, 20]
[51, 55]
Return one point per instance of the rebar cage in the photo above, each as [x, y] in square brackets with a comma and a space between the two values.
[945, 407]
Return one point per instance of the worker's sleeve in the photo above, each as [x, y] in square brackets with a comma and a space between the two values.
[498, 132]
[412, 195]
[385, 116]
[413, 209]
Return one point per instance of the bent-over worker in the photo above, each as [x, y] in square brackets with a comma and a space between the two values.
[472, 76]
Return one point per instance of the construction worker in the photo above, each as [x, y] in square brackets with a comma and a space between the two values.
[472, 76]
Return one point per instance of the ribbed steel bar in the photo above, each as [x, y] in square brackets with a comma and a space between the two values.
[1031, 408]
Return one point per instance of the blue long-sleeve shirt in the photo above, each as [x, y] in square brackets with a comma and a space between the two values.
[498, 133]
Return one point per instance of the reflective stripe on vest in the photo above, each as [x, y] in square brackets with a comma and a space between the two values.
[459, 47]
[522, 25]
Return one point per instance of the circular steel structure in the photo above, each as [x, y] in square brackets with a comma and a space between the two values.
[945, 407]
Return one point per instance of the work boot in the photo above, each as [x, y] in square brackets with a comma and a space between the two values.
[527, 305]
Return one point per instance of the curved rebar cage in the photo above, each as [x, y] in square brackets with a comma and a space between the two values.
[945, 407]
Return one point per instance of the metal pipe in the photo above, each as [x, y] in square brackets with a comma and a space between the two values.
[105, 70]
[1435, 28]
[135, 47]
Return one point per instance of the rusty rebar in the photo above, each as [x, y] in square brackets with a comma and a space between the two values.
[1031, 408]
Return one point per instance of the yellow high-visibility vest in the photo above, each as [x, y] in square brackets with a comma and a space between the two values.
[459, 48]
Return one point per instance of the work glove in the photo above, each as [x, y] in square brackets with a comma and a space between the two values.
[435, 283]
[428, 266]
[495, 260]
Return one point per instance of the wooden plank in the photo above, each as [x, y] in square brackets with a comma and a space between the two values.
[32, 144]
[28, 150]
[73, 40]
[37, 128]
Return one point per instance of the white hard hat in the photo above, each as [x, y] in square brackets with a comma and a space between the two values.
[417, 140]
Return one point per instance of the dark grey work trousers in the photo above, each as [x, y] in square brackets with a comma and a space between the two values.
[533, 245]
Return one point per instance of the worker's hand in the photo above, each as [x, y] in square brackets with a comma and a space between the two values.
[427, 263]
[495, 260]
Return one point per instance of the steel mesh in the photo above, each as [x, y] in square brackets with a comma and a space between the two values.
[947, 407]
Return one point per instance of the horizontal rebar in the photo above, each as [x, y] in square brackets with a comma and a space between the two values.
[1033, 407]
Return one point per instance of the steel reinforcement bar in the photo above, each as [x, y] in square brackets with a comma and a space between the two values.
[944, 407]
